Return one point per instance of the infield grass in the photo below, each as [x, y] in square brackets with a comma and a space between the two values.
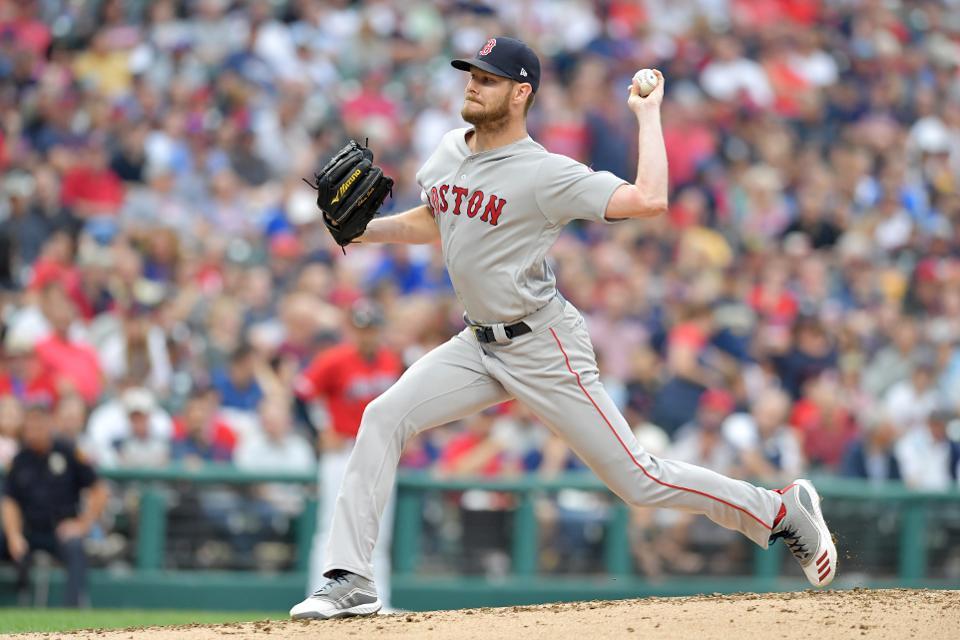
[22, 620]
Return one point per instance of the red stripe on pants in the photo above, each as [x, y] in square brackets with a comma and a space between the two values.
[629, 453]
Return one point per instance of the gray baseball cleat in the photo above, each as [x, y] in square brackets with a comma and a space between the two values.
[344, 594]
[805, 532]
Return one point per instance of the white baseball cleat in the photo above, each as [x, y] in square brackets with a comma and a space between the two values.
[344, 594]
[805, 532]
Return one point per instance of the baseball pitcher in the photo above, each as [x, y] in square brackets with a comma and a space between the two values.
[497, 201]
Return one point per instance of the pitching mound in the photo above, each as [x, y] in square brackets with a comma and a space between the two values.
[825, 615]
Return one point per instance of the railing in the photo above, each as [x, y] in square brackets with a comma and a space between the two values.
[912, 562]
[148, 584]
[153, 507]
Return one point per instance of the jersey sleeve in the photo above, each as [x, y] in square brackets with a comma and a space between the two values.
[568, 190]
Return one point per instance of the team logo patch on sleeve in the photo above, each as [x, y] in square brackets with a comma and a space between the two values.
[487, 48]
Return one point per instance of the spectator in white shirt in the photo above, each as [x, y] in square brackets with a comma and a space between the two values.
[813, 63]
[110, 423]
[894, 362]
[928, 459]
[729, 76]
[768, 448]
[141, 447]
[276, 448]
[911, 401]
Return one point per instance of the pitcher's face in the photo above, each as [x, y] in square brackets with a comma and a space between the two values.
[486, 98]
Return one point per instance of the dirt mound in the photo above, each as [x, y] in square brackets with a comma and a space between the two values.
[824, 615]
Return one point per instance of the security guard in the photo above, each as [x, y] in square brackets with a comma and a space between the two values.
[41, 504]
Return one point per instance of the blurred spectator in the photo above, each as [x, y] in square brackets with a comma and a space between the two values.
[871, 457]
[90, 188]
[812, 219]
[73, 366]
[729, 76]
[823, 422]
[111, 423]
[22, 371]
[894, 362]
[137, 348]
[690, 362]
[643, 381]
[768, 448]
[27, 225]
[811, 353]
[928, 459]
[276, 448]
[237, 385]
[910, 402]
[199, 435]
[42, 506]
[616, 335]
[141, 447]
[103, 67]
[712, 409]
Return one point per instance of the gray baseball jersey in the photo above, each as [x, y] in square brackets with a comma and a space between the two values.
[498, 212]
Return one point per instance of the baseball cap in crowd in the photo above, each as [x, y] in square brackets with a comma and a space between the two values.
[507, 58]
[365, 314]
[717, 400]
[138, 400]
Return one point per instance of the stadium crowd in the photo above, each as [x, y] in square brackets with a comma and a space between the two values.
[164, 279]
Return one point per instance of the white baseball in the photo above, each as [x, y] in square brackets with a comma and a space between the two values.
[647, 80]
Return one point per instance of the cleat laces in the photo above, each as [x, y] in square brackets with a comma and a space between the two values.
[792, 539]
[336, 577]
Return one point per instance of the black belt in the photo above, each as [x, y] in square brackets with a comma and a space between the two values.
[485, 334]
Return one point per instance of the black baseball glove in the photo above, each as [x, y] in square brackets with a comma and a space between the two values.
[350, 190]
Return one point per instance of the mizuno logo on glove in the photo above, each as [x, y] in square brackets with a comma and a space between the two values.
[346, 186]
[350, 191]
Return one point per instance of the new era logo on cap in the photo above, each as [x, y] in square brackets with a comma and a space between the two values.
[523, 72]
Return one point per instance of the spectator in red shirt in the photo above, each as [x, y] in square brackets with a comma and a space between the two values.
[56, 265]
[28, 31]
[91, 188]
[346, 378]
[823, 422]
[72, 365]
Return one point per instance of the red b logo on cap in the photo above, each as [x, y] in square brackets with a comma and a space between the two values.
[487, 48]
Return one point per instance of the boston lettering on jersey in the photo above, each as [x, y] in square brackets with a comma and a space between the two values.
[460, 200]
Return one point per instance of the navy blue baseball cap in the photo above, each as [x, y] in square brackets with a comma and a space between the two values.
[505, 57]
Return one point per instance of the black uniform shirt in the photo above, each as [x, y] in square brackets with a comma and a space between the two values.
[47, 486]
